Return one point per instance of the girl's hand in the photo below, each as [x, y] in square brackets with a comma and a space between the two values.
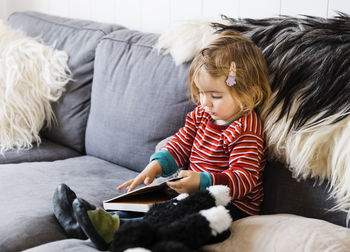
[190, 182]
[148, 174]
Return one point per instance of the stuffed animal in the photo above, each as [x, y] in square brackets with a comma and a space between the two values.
[184, 223]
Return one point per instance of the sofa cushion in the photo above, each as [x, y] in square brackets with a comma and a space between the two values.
[79, 39]
[138, 98]
[283, 232]
[46, 151]
[67, 245]
[26, 214]
[284, 194]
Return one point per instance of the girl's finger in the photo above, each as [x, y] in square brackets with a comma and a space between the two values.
[125, 184]
[176, 185]
[138, 180]
[148, 180]
[183, 173]
[172, 186]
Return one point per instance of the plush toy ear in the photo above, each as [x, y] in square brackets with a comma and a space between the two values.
[219, 219]
[221, 194]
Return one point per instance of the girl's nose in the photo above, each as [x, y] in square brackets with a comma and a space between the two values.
[205, 102]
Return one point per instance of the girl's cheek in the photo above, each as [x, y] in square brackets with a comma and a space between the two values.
[201, 99]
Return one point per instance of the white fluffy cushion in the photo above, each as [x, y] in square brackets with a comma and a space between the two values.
[194, 35]
[283, 232]
[31, 76]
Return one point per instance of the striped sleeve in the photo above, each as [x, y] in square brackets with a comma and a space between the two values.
[181, 144]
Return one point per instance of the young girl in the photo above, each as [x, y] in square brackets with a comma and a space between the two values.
[222, 141]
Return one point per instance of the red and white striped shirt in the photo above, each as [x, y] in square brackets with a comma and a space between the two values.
[234, 154]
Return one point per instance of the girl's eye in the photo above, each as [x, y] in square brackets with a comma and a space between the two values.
[216, 96]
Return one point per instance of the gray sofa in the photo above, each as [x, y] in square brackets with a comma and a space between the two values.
[124, 98]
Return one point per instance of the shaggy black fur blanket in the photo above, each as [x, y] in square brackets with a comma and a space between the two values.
[308, 59]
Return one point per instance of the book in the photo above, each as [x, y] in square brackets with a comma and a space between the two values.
[141, 199]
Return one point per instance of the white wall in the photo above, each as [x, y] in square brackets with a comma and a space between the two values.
[158, 15]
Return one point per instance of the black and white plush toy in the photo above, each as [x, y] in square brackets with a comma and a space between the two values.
[184, 223]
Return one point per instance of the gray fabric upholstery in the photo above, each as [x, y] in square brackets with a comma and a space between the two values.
[138, 98]
[26, 194]
[46, 151]
[284, 194]
[79, 39]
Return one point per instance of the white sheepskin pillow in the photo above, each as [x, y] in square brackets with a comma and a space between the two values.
[185, 39]
[283, 232]
[31, 76]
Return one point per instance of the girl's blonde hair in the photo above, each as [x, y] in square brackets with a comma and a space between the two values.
[252, 86]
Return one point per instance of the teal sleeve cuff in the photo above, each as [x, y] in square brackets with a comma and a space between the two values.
[205, 180]
[167, 161]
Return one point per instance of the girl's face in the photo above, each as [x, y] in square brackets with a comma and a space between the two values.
[215, 97]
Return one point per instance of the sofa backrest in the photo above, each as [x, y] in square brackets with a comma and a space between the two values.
[138, 98]
[79, 39]
[309, 198]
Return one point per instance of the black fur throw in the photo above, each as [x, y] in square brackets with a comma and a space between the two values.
[309, 60]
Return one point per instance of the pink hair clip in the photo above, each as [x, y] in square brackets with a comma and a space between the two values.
[231, 78]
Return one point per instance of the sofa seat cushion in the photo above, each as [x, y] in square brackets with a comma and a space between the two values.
[46, 151]
[78, 38]
[67, 245]
[264, 233]
[26, 215]
[283, 232]
[138, 98]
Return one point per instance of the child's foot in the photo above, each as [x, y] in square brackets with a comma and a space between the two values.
[62, 208]
[97, 224]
